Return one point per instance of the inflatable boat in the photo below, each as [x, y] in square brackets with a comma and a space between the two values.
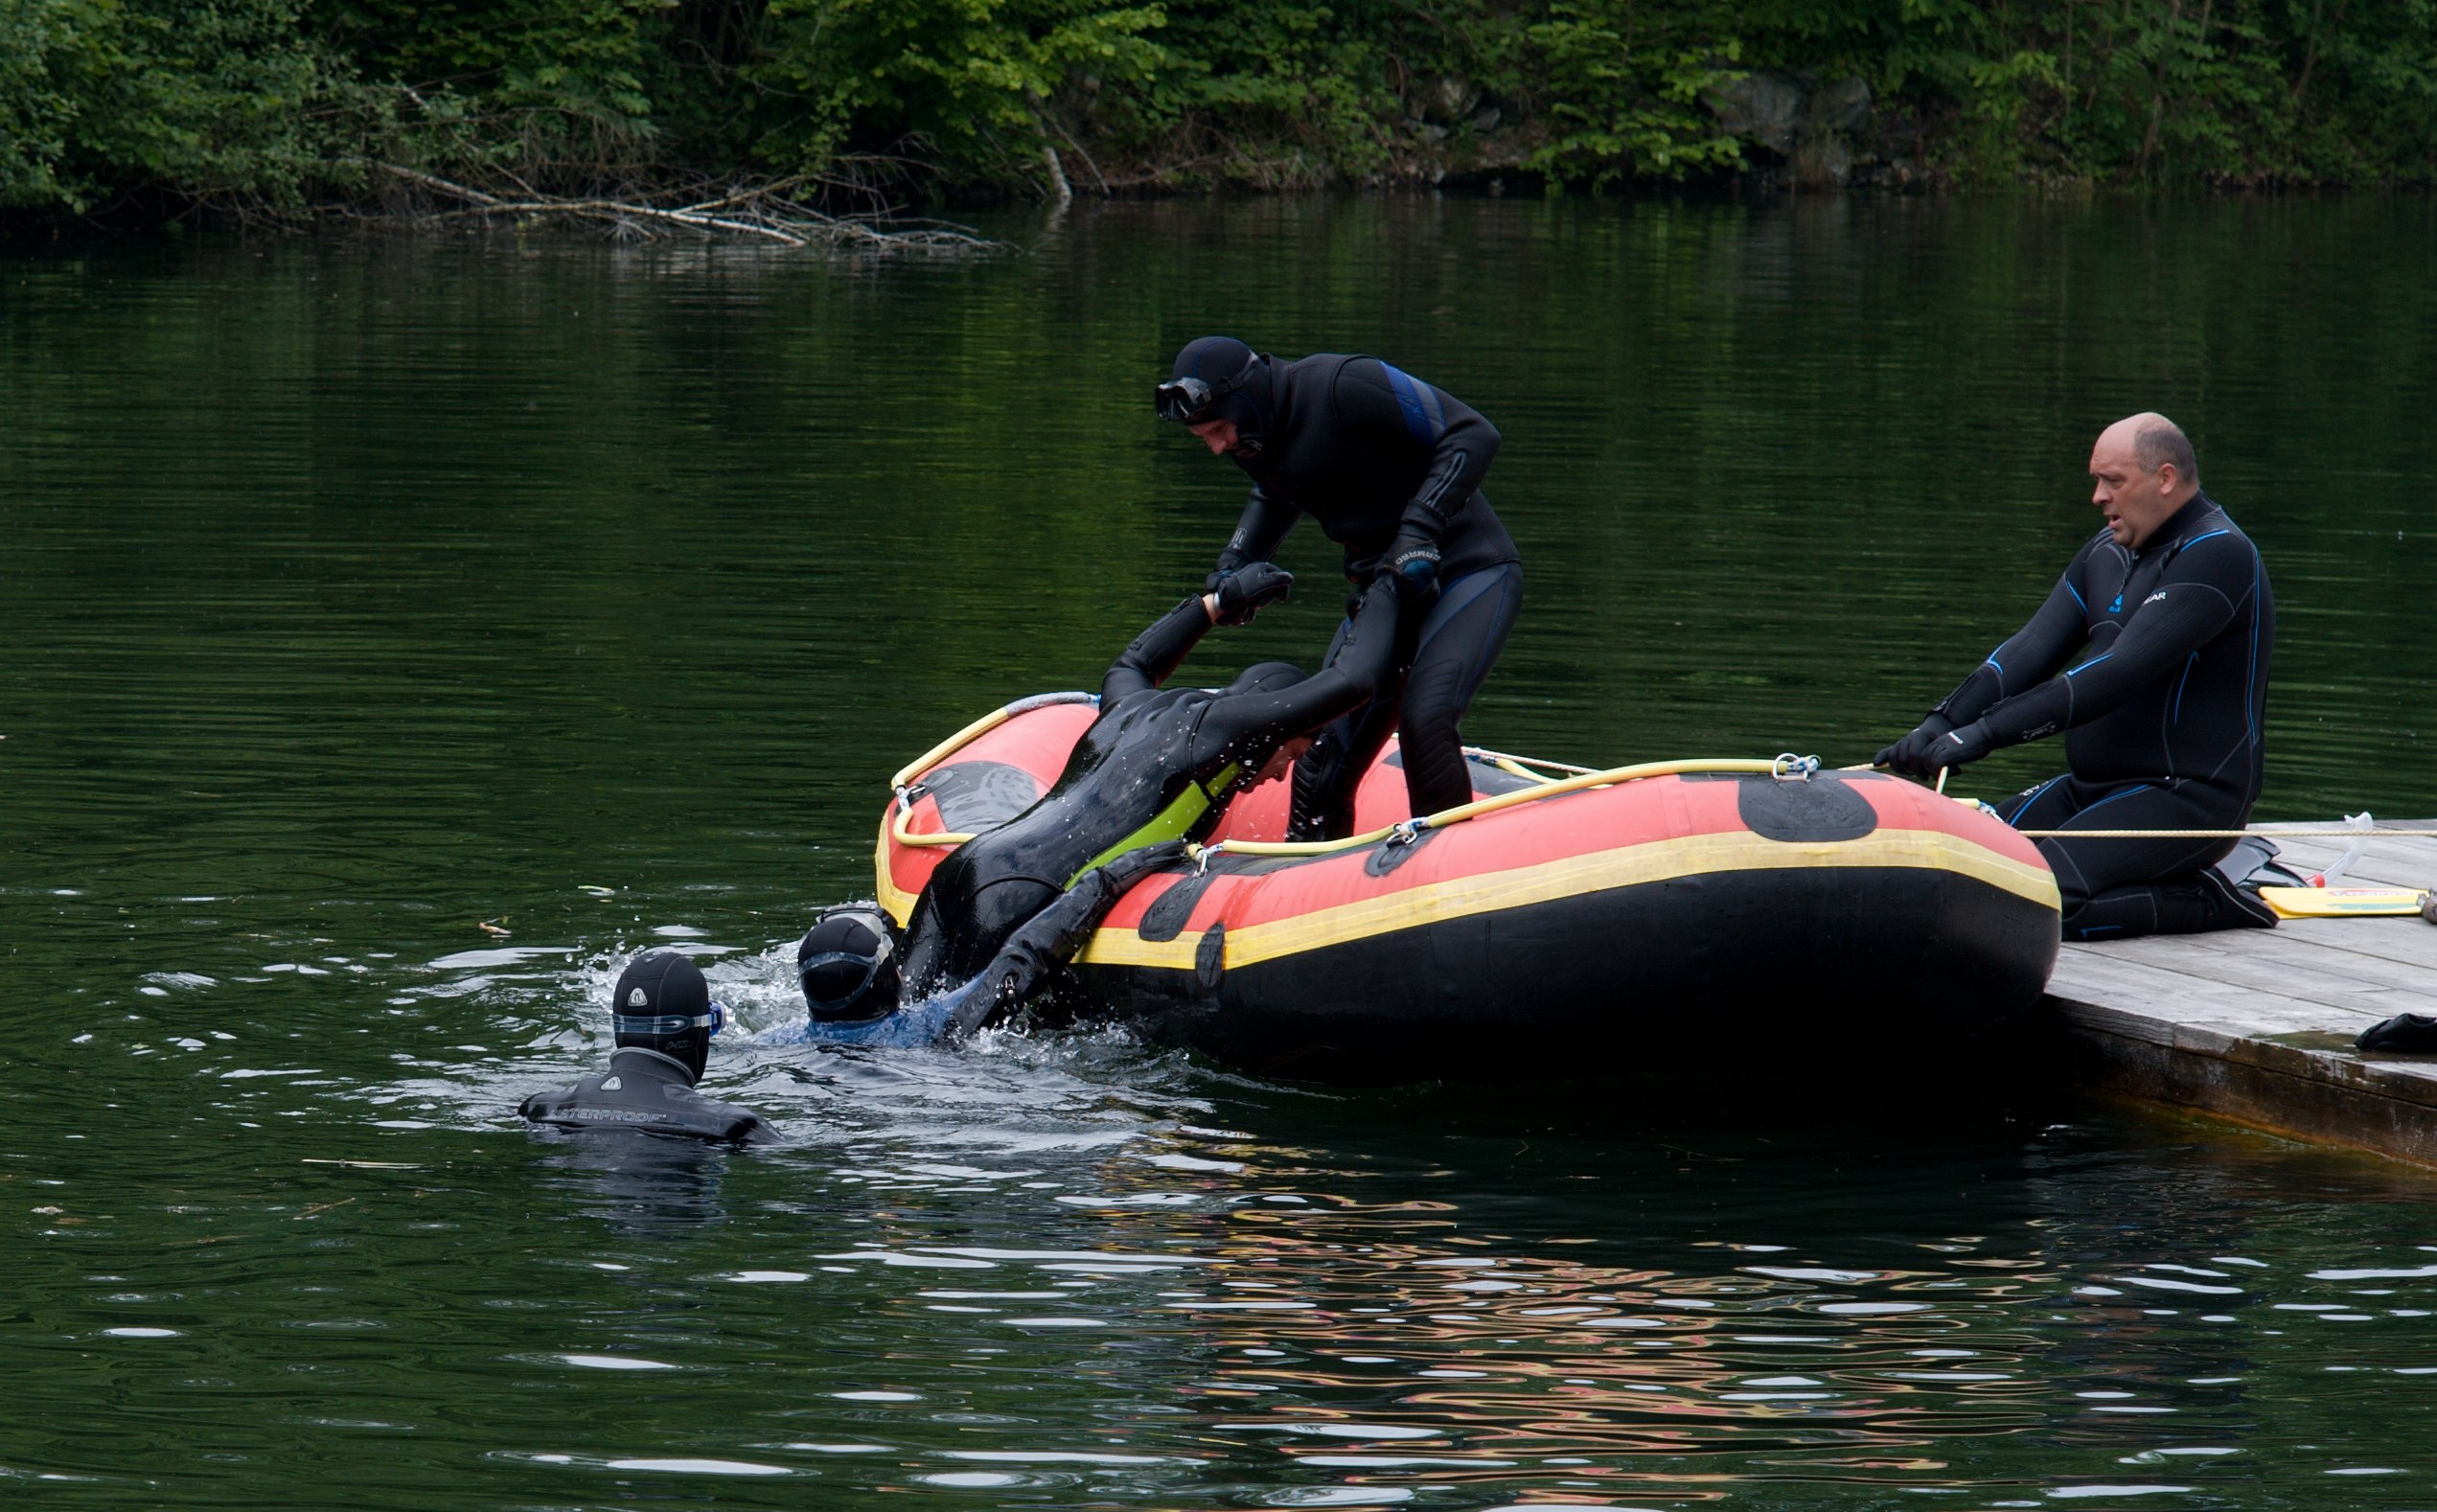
[1567, 919]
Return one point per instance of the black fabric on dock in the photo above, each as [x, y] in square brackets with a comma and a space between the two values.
[2411, 1033]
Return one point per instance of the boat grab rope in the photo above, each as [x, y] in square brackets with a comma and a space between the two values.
[1785, 768]
[908, 791]
[2356, 826]
[1406, 831]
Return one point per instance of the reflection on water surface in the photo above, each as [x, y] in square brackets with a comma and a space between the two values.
[365, 596]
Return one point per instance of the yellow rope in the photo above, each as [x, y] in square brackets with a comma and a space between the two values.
[955, 743]
[1548, 788]
[2215, 834]
[1505, 800]
[898, 832]
[951, 745]
[1521, 765]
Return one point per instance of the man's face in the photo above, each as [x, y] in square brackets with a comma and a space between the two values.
[1219, 435]
[2136, 500]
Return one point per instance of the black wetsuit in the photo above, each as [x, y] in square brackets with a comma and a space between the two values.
[651, 1093]
[1381, 460]
[1178, 752]
[2161, 714]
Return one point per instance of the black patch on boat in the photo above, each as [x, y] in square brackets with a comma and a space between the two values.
[976, 795]
[1388, 855]
[1209, 962]
[1823, 808]
[1165, 919]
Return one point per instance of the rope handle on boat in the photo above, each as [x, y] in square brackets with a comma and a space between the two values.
[1406, 831]
[980, 727]
[2362, 825]
[908, 791]
[2216, 834]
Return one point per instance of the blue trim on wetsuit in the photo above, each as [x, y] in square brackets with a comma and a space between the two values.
[1423, 421]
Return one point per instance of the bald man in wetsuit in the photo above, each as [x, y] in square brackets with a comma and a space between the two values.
[2169, 611]
[1156, 768]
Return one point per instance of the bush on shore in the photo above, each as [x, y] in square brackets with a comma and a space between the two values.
[277, 104]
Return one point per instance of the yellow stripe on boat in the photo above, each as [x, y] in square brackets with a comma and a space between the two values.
[1599, 871]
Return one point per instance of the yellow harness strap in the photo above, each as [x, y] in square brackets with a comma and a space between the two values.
[1182, 812]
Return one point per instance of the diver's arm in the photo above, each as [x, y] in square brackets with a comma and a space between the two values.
[1236, 722]
[1374, 398]
[1159, 651]
[2194, 601]
[2031, 656]
[2024, 662]
[1049, 938]
[1264, 523]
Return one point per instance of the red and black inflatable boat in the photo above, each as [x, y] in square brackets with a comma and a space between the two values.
[1765, 907]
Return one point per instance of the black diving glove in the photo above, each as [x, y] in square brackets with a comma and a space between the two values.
[1907, 755]
[1229, 563]
[1246, 589]
[1412, 561]
[1952, 750]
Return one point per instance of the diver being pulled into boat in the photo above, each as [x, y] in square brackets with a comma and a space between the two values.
[1155, 770]
[663, 1020]
[1391, 468]
[2162, 712]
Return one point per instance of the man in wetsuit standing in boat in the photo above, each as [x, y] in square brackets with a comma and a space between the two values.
[2161, 713]
[1155, 769]
[1391, 468]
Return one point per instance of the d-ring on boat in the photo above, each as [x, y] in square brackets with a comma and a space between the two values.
[1565, 920]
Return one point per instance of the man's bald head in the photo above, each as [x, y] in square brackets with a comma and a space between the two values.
[2158, 442]
[2142, 470]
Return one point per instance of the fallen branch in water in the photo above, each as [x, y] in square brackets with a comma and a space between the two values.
[763, 211]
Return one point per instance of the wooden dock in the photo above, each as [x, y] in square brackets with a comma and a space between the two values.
[2257, 1025]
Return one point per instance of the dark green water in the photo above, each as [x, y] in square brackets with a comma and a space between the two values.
[361, 595]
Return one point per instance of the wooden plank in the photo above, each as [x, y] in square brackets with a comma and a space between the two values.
[2239, 989]
[2298, 1105]
[2256, 1026]
[2182, 998]
[2287, 958]
[2405, 944]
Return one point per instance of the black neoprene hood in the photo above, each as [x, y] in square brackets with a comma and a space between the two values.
[1222, 360]
[661, 1004]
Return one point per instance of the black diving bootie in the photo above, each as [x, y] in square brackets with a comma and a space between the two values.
[2232, 906]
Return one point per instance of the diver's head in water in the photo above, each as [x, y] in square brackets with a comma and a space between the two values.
[664, 1005]
[848, 965]
[1219, 390]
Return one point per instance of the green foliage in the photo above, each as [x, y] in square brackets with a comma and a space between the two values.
[970, 78]
[205, 98]
[1623, 85]
[268, 101]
